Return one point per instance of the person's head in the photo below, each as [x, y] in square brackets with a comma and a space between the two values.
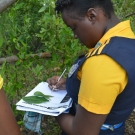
[88, 19]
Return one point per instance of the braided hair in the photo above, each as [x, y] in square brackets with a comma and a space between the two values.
[81, 6]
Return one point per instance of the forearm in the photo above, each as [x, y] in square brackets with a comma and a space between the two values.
[65, 121]
[8, 124]
[83, 123]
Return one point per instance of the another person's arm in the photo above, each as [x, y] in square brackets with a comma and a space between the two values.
[8, 124]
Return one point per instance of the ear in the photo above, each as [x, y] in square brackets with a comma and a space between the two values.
[92, 15]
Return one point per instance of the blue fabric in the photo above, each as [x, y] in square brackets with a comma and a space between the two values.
[122, 50]
[118, 131]
[72, 82]
[111, 127]
[32, 121]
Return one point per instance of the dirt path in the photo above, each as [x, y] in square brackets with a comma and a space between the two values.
[130, 124]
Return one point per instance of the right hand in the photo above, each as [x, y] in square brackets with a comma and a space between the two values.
[55, 85]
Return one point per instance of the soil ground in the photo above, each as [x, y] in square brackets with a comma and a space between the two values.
[130, 124]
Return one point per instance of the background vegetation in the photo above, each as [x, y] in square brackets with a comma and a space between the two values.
[30, 27]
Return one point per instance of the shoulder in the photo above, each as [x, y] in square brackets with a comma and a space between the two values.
[102, 80]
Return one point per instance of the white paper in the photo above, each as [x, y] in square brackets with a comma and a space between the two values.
[46, 108]
[38, 111]
[56, 112]
[43, 87]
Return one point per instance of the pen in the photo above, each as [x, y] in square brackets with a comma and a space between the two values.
[60, 77]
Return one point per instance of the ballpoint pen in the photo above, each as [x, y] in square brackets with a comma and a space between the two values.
[60, 78]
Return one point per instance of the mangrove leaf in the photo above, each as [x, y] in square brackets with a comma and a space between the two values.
[38, 93]
[35, 99]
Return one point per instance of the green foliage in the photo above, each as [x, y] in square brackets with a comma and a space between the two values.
[37, 98]
[40, 94]
[125, 10]
[30, 27]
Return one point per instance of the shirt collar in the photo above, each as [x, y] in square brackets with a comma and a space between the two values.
[122, 29]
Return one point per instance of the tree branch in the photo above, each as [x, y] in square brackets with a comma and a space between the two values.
[4, 4]
[15, 58]
[130, 15]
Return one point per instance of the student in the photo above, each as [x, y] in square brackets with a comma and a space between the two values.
[101, 83]
[8, 124]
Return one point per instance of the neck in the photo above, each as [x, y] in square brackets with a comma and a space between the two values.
[112, 22]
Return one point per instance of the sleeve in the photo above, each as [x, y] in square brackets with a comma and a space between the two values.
[1, 82]
[102, 80]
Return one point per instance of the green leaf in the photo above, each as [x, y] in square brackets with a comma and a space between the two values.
[38, 93]
[42, 9]
[35, 99]
[18, 6]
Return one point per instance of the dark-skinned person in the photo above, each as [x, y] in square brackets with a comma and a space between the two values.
[8, 124]
[101, 83]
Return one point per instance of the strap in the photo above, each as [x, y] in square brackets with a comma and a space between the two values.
[111, 127]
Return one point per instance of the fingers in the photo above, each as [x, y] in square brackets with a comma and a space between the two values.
[60, 86]
[53, 80]
[54, 88]
[55, 85]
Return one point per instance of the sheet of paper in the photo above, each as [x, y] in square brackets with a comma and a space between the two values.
[54, 112]
[38, 111]
[43, 87]
[45, 107]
